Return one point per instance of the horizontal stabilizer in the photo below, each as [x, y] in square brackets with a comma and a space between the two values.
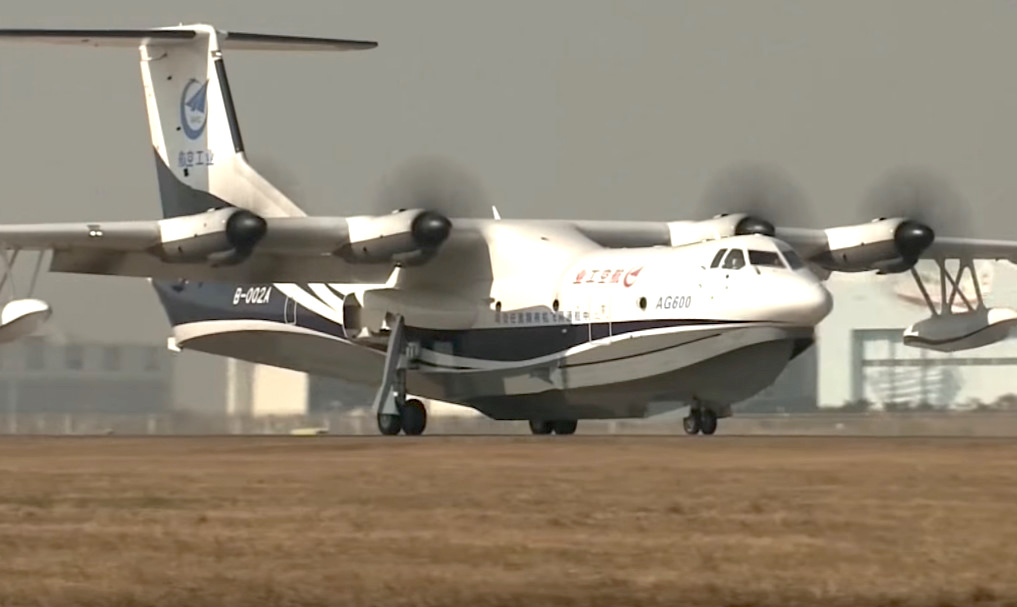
[181, 35]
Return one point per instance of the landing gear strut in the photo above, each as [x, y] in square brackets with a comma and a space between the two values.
[691, 422]
[700, 419]
[395, 414]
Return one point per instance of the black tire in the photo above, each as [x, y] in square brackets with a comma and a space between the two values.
[538, 426]
[707, 421]
[414, 417]
[389, 425]
[565, 426]
[691, 423]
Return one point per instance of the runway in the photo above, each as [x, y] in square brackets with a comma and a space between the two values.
[511, 520]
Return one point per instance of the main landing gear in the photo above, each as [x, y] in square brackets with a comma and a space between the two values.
[411, 420]
[700, 419]
[396, 414]
[561, 426]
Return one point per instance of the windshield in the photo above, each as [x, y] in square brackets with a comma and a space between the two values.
[765, 259]
[717, 257]
[793, 260]
[735, 260]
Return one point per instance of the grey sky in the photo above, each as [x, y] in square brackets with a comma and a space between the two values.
[561, 108]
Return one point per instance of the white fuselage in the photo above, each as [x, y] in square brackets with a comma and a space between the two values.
[539, 326]
[618, 330]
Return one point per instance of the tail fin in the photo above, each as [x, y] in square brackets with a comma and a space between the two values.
[200, 160]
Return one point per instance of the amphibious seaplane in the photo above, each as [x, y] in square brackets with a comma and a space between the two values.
[550, 321]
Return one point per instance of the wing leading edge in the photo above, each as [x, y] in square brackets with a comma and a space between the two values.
[351, 250]
[293, 249]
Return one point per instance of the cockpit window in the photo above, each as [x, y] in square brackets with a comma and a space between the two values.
[765, 259]
[716, 258]
[735, 260]
[792, 258]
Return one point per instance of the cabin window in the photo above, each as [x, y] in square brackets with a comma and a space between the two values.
[717, 258]
[735, 260]
[765, 259]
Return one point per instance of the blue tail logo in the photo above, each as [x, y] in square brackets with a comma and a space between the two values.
[194, 108]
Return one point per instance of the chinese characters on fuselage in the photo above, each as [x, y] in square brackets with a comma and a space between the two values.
[612, 276]
[543, 317]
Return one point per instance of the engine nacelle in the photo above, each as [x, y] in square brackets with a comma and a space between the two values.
[221, 236]
[964, 331]
[886, 245]
[403, 236]
[721, 226]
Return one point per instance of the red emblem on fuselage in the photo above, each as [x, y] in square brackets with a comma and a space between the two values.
[631, 275]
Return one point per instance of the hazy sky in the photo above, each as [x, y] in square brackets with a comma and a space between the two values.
[561, 108]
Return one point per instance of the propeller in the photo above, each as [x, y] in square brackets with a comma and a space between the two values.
[430, 228]
[925, 198]
[276, 173]
[435, 184]
[765, 193]
[928, 201]
[244, 230]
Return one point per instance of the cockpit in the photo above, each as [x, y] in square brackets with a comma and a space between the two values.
[737, 258]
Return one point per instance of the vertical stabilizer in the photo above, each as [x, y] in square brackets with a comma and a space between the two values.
[195, 132]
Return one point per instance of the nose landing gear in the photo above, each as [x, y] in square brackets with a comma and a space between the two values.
[701, 419]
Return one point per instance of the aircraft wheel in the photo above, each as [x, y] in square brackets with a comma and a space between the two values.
[414, 417]
[538, 426]
[388, 424]
[691, 422]
[707, 421]
[565, 426]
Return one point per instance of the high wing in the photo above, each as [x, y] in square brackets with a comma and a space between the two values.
[887, 244]
[971, 248]
[202, 248]
[233, 245]
[367, 248]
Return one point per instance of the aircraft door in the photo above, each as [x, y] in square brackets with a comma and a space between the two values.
[290, 311]
[600, 314]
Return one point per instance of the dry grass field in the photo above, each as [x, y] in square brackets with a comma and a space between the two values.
[488, 521]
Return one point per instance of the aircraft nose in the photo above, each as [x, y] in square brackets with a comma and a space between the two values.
[803, 301]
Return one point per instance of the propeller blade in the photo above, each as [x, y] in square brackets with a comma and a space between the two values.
[766, 193]
[277, 174]
[924, 197]
[434, 184]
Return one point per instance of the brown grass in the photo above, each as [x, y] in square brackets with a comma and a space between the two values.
[508, 521]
